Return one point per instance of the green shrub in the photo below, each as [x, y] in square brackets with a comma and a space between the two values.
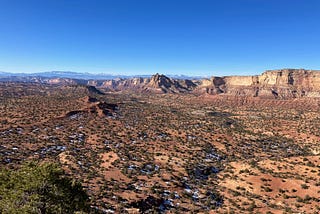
[40, 188]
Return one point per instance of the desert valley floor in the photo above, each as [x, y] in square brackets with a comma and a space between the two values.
[169, 153]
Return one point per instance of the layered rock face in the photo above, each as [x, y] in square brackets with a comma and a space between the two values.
[282, 84]
[292, 83]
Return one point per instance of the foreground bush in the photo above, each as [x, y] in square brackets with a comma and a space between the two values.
[40, 188]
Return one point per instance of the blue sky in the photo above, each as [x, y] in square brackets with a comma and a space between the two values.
[191, 37]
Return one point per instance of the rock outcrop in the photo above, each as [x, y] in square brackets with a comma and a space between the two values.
[91, 105]
[93, 90]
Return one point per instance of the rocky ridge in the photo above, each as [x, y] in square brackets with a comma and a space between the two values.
[276, 84]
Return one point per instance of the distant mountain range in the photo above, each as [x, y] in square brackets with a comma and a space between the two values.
[276, 84]
[84, 76]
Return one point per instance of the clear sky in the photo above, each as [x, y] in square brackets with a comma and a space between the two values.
[191, 37]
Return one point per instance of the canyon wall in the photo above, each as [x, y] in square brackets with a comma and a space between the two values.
[284, 83]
